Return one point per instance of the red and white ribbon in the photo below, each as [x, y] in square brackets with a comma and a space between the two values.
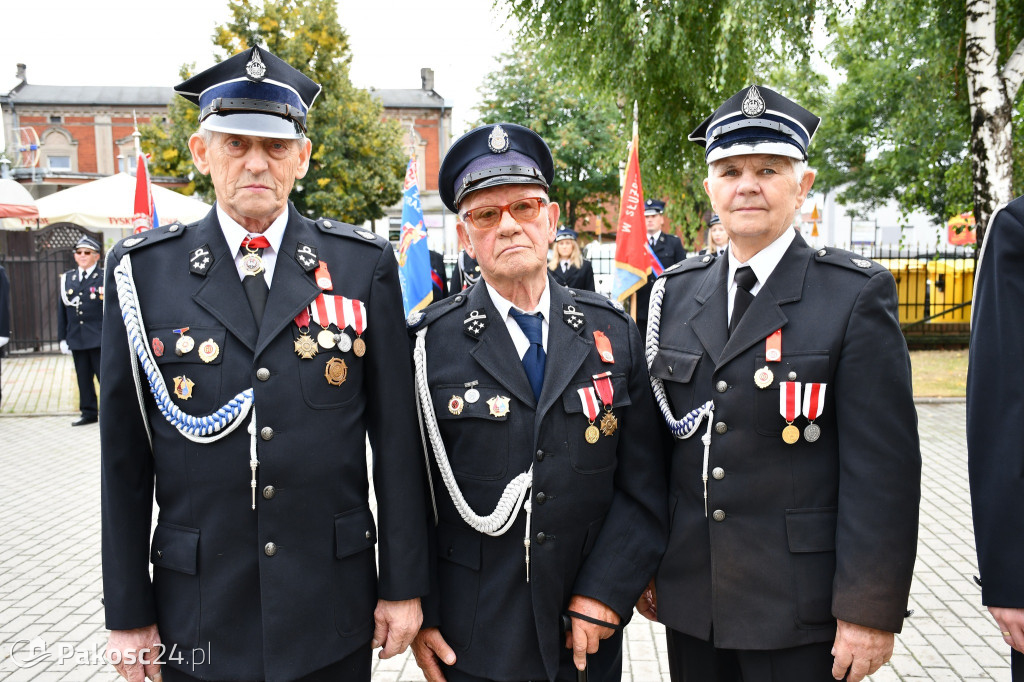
[603, 384]
[353, 314]
[319, 311]
[789, 400]
[814, 400]
[588, 397]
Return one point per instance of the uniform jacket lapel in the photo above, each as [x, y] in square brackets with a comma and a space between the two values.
[220, 292]
[566, 351]
[494, 350]
[765, 314]
[292, 289]
[710, 321]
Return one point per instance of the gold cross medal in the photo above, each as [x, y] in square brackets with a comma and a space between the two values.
[605, 391]
[588, 398]
[305, 346]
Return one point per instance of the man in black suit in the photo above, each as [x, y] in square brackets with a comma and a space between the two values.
[80, 323]
[257, 351]
[994, 433]
[537, 405]
[666, 247]
[794, 533]
[5, 312]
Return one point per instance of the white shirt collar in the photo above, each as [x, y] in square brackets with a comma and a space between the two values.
[89, 271]
[504, 306]
[763, 262]
[235, 233]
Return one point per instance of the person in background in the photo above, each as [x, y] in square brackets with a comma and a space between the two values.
[466, 273]
[567, 264]
[667, 247]
[718, 238]
[438, 276]
[994, 431]
[80, 324]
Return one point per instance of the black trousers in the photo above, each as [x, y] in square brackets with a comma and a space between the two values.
[87, 366]
[604, 666]
[353, 668]
[694, 660]
[1016, 665]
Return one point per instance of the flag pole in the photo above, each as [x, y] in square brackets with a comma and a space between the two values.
[636, 136]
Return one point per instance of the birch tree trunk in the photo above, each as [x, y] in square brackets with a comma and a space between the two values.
[991, 92]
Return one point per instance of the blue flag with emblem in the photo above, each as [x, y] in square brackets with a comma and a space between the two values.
[413, 255]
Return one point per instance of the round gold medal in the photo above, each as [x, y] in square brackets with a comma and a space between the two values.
[455, 405]
[359, 347]
[592, 434]
[208, 351]
[305, 346]
[325, 338]
[763, 377]
[252, 264]
[336, 371]
[790, 434]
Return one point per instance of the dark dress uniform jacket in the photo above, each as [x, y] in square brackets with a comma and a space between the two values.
[995, 430]
[810, 532]
[575, 277]
[82, 325]
[669, 250]
[599, 517]
[261, 611]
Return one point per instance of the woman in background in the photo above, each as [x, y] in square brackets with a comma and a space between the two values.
[567, 264]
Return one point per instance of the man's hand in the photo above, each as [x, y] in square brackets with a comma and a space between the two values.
[859, 651]
[585, 637]
[647, 604]
[396, 623]
[428, 647]
[134, 653]
[1010, 621]
[64, 348]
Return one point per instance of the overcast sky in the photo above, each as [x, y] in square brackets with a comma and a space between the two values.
[144, 42]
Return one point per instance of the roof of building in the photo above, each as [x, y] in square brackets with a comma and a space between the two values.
[410, 98]
[93, 95]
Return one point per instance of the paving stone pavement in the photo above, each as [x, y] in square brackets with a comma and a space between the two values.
[50, 565]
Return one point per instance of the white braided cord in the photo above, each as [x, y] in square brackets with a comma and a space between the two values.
[507, 510]
[197, 429]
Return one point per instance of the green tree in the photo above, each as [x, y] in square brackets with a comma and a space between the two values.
[583, 130]
[358, 162]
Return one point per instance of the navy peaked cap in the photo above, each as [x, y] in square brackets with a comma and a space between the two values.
[565, 233]
[87, 242]
[756, 120]
[493, 155]
[654, 207]
[252, 93]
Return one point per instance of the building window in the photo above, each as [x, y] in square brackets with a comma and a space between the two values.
[56, 120]
[59, 163]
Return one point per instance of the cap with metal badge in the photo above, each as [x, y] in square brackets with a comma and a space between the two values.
[565, 233]
[252, 93]
[654, 207]
[87, 242]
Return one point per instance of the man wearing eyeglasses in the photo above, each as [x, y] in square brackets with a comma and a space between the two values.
[80, 323]
[544, 452]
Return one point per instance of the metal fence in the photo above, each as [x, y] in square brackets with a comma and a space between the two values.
[934, 287]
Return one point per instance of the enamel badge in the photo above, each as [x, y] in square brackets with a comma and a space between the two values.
[499, 405]
[256, 70]
[497, 141]
[183, 387]
[753, 103]
[336, 371]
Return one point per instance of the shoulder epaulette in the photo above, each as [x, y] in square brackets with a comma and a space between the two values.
[599, 300]
[691, 263]
[849, 260]
[150, 237]
[340, 229]
[435, 310]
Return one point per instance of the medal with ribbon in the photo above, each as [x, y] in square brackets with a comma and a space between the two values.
[323, 277]
[305, 346]
[252, 263]
[764, 377]
[588, 398]
[604, 347]
[355, 316]
[322, 316]
[814, 404]
[789, 407]
[605, 391]
[343, 340]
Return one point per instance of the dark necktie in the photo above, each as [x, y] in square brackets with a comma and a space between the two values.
[534, 360]
[745, 280]
[255, 286]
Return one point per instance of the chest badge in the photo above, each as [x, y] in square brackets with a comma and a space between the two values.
[499, 405]
[183, 387]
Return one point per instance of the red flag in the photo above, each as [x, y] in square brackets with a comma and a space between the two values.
[632, 263]
[145, 210]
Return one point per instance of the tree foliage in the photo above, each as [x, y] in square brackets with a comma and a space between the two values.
[679, 59]
[358, 162]
[584, 130]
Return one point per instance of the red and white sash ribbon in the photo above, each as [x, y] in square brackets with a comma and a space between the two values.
[588, 397]
[789, 400]
[814, 400]
[603, 384]
[353, 314]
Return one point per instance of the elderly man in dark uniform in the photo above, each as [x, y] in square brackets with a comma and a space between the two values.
[250, 355]
[547, 467]
[667, 247]
[794, 531]
[994, 433]
[80, 323]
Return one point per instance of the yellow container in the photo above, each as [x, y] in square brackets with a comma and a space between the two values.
[952, 284]
[911, 286]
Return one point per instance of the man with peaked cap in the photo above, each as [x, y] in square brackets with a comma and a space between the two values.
[548, 485]
[252, 354]
[80, 323]
[667, 247]
[794, 530]
[993, 439]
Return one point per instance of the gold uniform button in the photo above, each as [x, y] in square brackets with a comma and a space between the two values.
[718, 473]
[270, 549]
[266, 433]
[721, 427]
[718, 515]
[263, 374]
